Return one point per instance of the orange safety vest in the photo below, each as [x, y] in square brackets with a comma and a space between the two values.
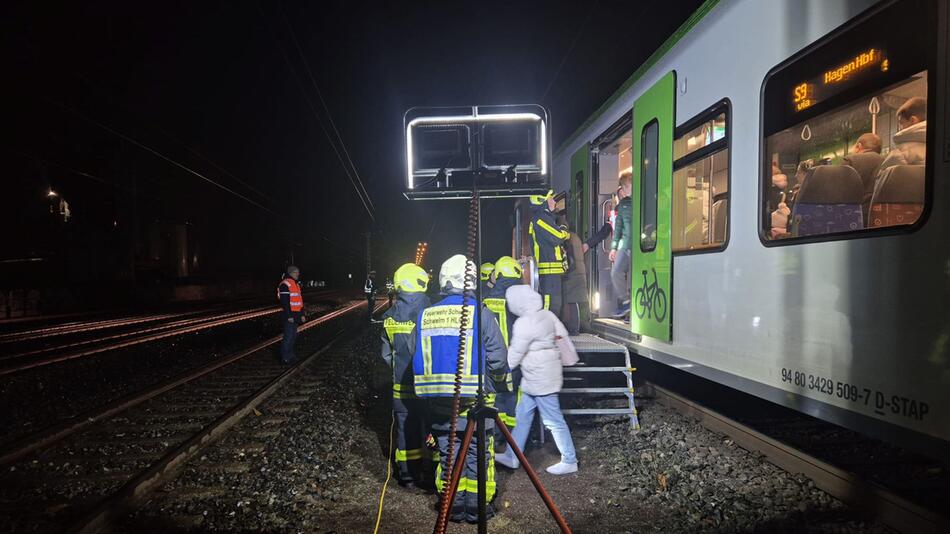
[296, 297]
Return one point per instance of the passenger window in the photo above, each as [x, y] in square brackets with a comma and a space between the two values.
[859, 166]
[703, 135]
[649, 153]
[701, 185]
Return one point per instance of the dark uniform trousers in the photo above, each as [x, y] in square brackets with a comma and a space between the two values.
[409, 431]
[549, 285]
[466, 500]
[408, 409]
[287, 345]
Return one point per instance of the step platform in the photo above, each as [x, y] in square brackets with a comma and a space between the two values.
[599, 359]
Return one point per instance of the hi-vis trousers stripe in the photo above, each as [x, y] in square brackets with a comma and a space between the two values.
[411, 454]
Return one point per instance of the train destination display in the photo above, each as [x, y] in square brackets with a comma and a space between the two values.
[839, 78]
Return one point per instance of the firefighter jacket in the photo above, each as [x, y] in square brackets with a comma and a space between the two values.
[547, 239]
[437, 348]
[291, 298]
[495, 302]
[399, 341]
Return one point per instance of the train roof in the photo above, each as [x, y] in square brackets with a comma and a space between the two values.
[654, 58]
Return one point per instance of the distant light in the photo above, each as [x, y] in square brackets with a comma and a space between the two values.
[51, 193]
[350, 276]
[756, 321]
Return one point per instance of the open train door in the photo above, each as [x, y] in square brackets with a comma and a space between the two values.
[579, 202]
[651, 274]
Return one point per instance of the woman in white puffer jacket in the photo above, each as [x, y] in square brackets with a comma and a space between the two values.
[541, 346]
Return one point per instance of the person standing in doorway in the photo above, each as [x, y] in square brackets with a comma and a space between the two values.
[620, 247]
[291, 304]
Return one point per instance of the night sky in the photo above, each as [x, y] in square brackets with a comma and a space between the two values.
[93, 88]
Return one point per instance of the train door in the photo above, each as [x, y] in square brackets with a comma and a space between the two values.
[651, 272]
[612, 156]
[579, 203]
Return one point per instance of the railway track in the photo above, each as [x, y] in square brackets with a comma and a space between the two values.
[80, 473]
[871, 499]
[12, 362]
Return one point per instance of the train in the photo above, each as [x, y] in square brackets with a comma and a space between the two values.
[789, 164]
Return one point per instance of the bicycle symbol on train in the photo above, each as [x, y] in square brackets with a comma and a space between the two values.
[650, 300]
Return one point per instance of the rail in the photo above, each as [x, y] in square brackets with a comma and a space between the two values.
[873, 500]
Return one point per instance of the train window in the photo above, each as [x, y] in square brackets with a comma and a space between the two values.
[701, 182]
[844, 129]
[649, 153]
[857, 167]
[700, 136]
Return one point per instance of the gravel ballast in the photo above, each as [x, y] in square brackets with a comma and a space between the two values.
[314, 460]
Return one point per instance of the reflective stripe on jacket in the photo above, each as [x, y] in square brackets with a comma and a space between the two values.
[398, 342]
[291, 287]
[546, 239]
[500, 309]
[437, 349]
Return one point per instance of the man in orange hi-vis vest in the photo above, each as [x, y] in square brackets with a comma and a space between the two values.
[291, 302]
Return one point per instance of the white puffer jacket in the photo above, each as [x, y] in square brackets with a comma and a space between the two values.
[533, 343]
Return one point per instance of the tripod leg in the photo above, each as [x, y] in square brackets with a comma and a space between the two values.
[555, 513]
[448, 493]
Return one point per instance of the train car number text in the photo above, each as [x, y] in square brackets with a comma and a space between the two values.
[881, 403]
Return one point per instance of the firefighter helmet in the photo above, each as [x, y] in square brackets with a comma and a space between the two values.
[485, 271]
[537, 200]
[410, 278]
[506, 267]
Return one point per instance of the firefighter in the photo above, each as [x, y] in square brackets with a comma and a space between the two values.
[547, 239]
[506, 274]
[484, 276]
[399, 322]
[434, 368]
[291, 303]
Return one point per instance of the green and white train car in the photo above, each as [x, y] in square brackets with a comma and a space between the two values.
[772, 257]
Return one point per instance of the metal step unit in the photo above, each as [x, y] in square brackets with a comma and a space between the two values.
[588, 344]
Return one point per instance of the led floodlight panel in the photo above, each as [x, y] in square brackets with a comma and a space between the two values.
[506, 150]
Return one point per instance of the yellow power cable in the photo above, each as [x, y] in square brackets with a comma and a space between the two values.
[389, 469]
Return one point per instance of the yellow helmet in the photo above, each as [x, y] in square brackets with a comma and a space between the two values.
[410, 278]
[484, 273]
[506, 267]
[537, 200]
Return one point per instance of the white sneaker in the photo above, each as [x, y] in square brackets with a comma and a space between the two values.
[562, 468]
[508, 459]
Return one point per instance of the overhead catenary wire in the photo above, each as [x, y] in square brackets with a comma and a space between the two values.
[316, 87]
[77, 172]
[104, 92]
[316, 115]
[98, 88]
[162, 156]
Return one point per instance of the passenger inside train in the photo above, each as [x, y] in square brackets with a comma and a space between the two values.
[860, 166]
[699, 203]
